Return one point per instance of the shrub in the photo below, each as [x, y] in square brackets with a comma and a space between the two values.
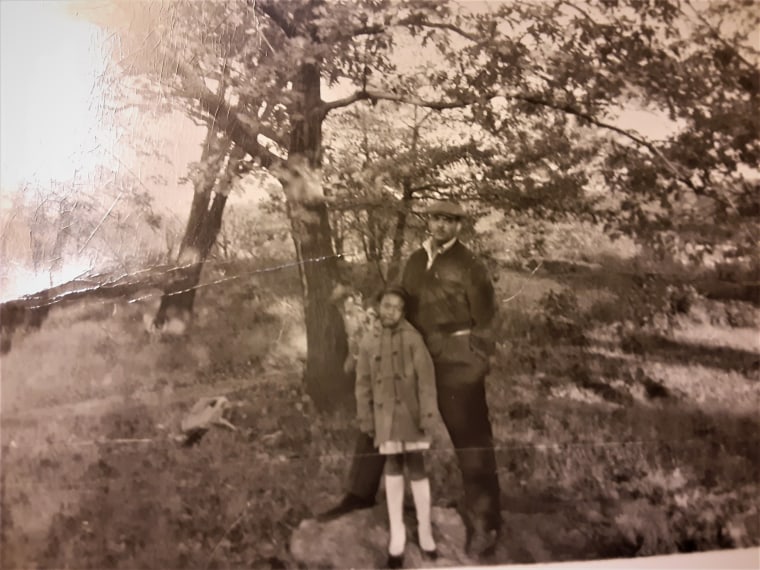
[562, 318]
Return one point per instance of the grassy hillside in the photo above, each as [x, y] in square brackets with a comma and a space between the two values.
[624, 408]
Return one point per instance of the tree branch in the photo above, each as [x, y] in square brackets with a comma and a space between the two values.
[677, 172]
[430, 186]
[377, 95]
[263, 126]
[278, 18]
[276, 137]
[243, 131]
[715, 33]
[641, 141]
[412, 20]
[373, 94]
[422, 22]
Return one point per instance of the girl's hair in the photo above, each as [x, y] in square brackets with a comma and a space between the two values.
[394, 290]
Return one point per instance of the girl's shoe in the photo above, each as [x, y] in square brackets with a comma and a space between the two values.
[395, 561]
[429, 554]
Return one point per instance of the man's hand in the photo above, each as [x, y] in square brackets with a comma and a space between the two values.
[426, 424]
[349, 365]
[367, 430]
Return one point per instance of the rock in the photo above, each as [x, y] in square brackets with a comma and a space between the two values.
[205, 413]
[360, 540]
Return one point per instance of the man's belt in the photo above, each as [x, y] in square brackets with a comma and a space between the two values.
[453, 329]
[461, 333]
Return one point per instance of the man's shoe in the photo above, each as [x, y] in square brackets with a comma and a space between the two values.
[348, 504]
[482, 543]
[395, 562]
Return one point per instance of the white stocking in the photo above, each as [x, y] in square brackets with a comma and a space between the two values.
[421, 494]
[394, 492]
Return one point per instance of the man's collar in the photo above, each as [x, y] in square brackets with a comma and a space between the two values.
[433, 252]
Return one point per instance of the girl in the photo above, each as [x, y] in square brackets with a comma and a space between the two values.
[396, 404]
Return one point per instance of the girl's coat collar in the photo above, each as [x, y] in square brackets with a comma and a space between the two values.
[403, 326]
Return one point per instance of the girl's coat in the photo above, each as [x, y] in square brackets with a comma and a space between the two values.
[395, 385]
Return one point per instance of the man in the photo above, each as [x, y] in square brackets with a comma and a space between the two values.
[451, 302]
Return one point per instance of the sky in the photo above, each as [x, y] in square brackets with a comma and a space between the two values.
[49, 103]
[51, 109]
[52, 128]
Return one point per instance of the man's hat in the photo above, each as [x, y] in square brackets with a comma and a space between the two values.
[445, 208]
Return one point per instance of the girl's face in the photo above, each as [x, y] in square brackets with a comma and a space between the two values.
[391, 310]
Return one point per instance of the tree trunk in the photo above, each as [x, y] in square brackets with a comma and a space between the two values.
[374, 239]
[406, 203]
[327, 348]
[338, 236]
[202, 229]
[179, 296]
[398, 233]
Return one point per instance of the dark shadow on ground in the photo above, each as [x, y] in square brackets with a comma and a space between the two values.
[664, 349]
[544, 528]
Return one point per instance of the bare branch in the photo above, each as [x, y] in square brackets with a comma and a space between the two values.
[363, 31]
[100, 223]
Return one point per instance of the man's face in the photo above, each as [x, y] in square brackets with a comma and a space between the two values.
[443, 228]
[391, 310]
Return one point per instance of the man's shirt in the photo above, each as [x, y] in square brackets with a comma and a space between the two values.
[449, 290]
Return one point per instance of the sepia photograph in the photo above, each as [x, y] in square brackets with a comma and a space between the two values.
[368, 284]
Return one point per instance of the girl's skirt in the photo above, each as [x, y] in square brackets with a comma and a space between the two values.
[396, 447]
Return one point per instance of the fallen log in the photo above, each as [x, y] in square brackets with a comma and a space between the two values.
[30, 311]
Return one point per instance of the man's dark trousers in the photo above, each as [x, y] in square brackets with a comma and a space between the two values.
[463, 408]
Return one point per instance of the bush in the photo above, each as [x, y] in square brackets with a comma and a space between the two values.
[562, 318]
